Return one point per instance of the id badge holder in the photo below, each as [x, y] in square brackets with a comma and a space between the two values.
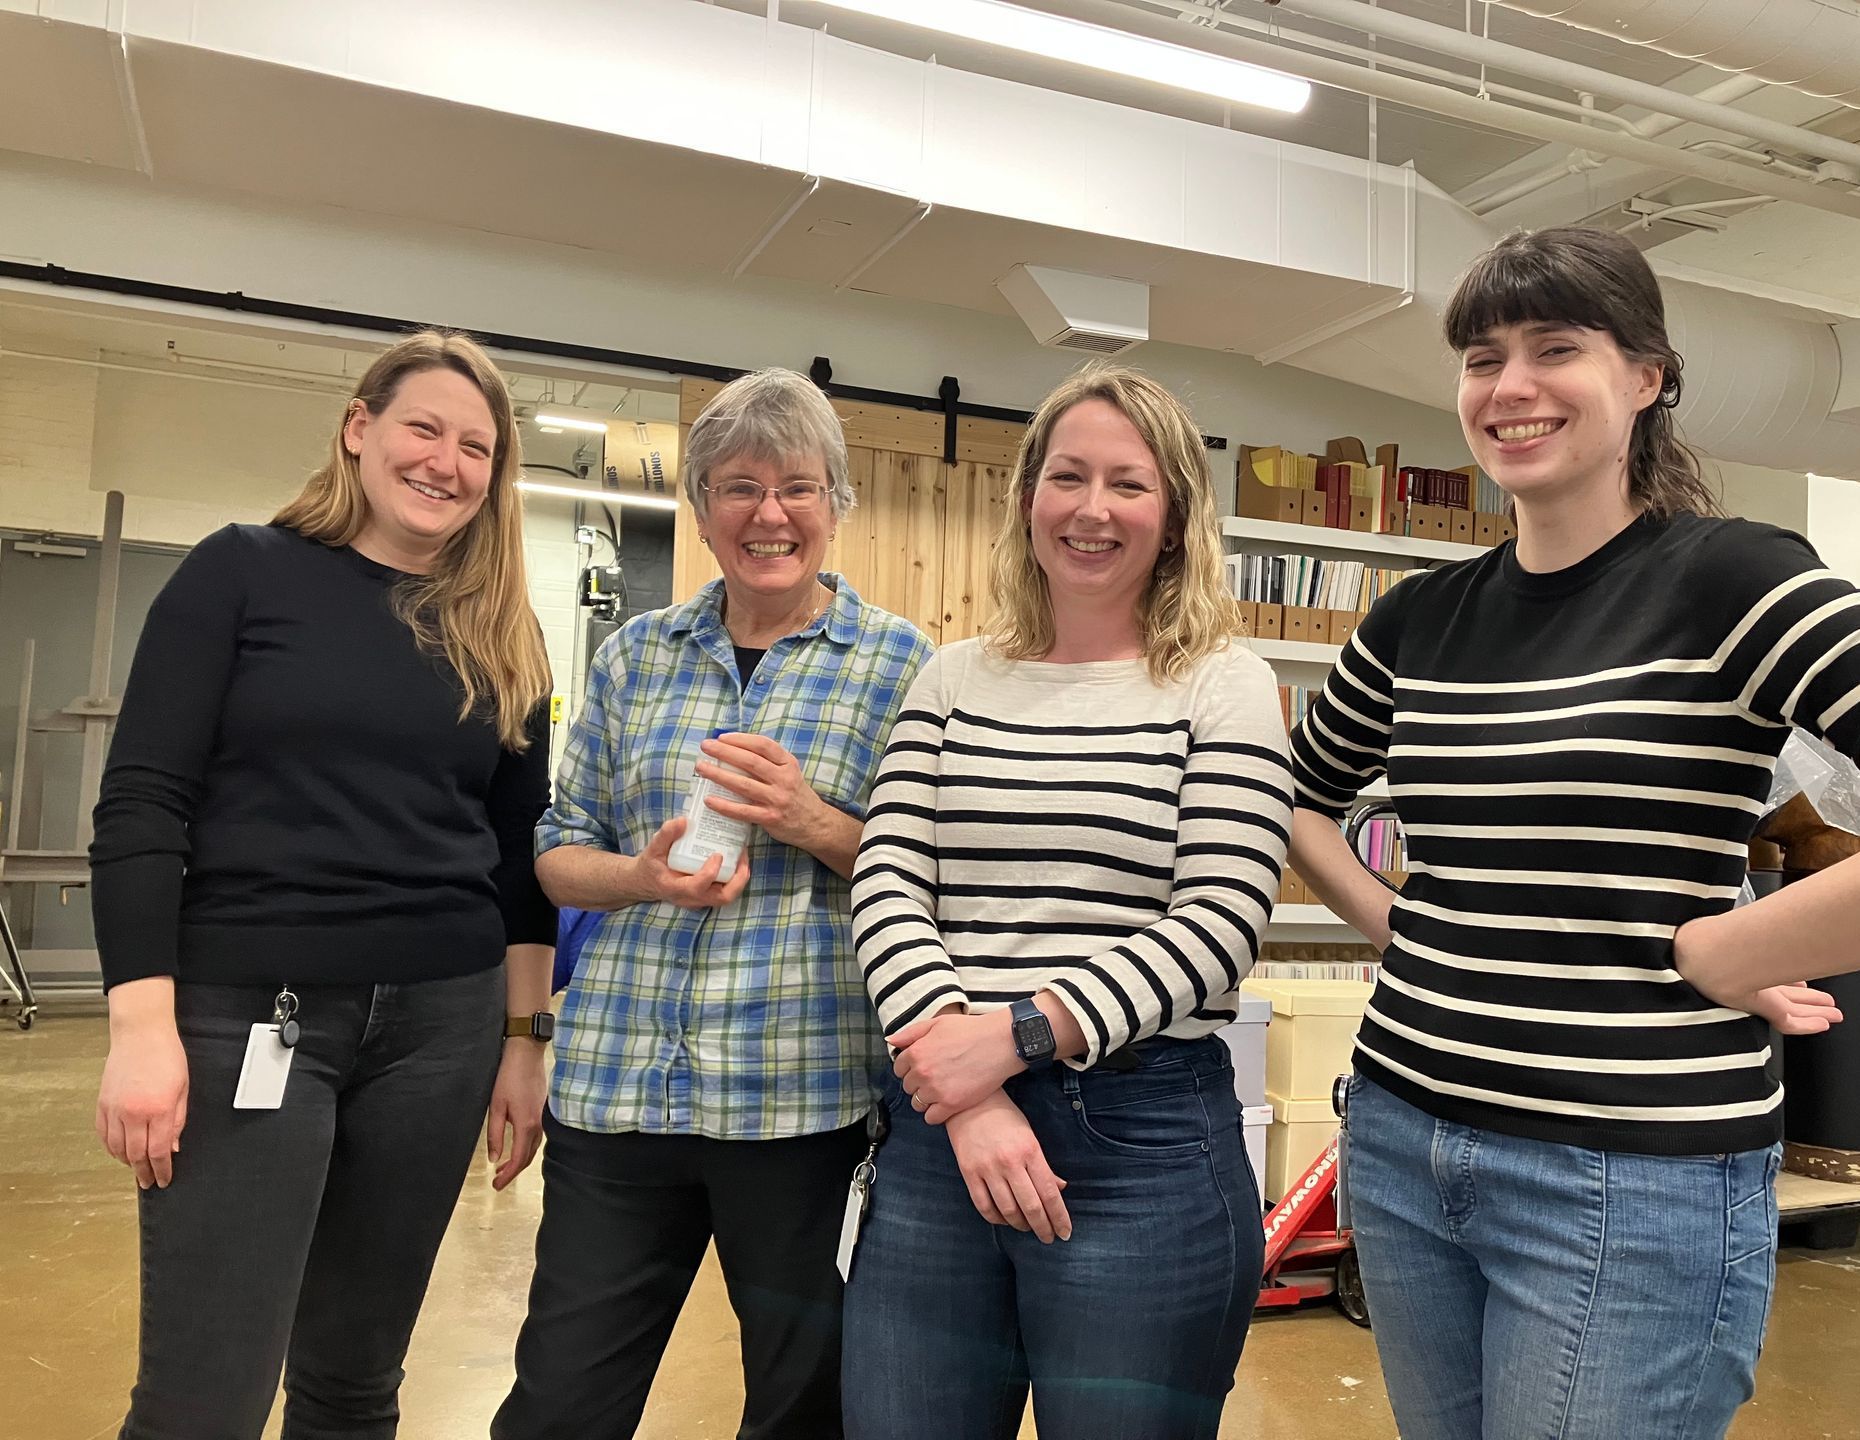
[268, 1052]
[859, 1193]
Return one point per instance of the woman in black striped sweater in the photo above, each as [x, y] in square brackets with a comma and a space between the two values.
[1564, 1120]
[1071, 852]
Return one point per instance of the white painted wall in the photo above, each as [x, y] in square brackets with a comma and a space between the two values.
[1834, 524]
[1778, 497]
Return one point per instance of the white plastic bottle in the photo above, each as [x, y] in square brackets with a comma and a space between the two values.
[706, 832]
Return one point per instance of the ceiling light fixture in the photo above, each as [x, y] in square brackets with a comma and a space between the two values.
[1034, 32]
[569, 422]
[607, 497]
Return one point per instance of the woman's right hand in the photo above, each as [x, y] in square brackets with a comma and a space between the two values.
[142, 1104]
[1007, 1174]
[688, 892]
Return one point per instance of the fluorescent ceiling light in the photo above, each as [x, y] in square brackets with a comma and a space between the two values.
[1033, 32]
[569, 422]
[606, 497]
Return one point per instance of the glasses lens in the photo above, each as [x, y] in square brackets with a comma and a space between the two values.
[738, 494]
[801, 495]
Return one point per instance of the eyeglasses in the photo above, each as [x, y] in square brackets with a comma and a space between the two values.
[794, 496]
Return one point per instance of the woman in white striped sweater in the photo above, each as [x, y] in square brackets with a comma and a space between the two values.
[1564, 1122]
[1067, 867]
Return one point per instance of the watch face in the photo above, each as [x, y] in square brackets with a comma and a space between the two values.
[1033, 1037]
[542, 1026]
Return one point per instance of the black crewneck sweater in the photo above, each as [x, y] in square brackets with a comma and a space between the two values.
[291, 797]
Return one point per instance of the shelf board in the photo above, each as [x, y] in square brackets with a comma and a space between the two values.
[1278, 535]
[1310, 925]
[1296, 652]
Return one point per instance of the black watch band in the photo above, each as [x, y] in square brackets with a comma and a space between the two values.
[1033, 1034]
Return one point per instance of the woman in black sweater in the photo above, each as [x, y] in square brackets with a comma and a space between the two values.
[315, 907]
[1564, 1125]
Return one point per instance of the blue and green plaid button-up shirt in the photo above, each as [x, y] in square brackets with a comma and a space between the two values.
[747, 1022]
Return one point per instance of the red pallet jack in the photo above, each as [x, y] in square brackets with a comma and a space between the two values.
[1308, 1256]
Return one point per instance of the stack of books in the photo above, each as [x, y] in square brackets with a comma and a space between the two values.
[1384, 498]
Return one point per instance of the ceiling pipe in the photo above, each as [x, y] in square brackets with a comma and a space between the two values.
[1733, 88]
[1809, 45]
[1445, 41]
[1486, 114]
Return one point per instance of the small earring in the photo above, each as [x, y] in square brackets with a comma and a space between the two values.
[703, 539]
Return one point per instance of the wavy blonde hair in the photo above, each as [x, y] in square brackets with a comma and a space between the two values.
[1186, 613]
[473, 607]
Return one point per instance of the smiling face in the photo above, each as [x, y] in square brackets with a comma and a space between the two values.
[425, 462]
[768, 549]
[1550, 408]
[1099, 514]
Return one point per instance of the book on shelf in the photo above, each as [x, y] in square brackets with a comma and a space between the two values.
[1368, 971]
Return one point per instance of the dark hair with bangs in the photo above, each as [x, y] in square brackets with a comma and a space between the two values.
[1597, 280]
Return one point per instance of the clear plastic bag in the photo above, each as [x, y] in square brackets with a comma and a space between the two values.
[1830, 780]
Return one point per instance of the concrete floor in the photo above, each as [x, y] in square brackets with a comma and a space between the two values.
[68, 1288]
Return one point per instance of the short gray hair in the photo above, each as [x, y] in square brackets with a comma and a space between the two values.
[771, 415]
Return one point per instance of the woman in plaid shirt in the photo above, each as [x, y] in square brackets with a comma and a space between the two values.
[716, 1052]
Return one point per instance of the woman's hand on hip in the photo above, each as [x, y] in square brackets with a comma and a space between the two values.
[516, 1107]
[1710, 967]
[953, 1061]
[771, 792]
[688, 892]
[142, 1103]
[1006, 1170]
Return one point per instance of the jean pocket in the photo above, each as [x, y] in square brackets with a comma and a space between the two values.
[1158, 1114]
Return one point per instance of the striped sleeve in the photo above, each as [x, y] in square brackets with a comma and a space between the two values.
[1233, 825]
[1343, 742]
[907, 970]
[1797, 639]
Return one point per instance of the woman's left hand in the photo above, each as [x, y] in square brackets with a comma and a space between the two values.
[773, 792]
[951, 1062]
[517, 1106]
[1710, 968]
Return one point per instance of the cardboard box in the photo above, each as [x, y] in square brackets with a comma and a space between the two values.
[1342, 626]
[1462, 530]
[1317, 627]
[1297, 623]
[1299, 1133]
[1314, 506]
[1249, 615]
[1362, 513]
[1485, 528]
[1271, 622]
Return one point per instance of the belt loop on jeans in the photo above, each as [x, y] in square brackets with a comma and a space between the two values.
[1068, 1079]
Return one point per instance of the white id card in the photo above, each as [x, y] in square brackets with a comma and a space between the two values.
[267, 1066]
[858, 1195]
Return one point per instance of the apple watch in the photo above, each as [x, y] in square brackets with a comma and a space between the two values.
[1033, 1034]
[540, 1026]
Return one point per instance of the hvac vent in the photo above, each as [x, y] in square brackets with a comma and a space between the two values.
[1070, 311]
[1093, 341]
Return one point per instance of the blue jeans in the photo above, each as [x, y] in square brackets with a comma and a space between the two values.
[1523, 1290]
[1131, 1330]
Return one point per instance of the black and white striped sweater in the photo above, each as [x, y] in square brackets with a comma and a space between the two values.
[1578, 759]
[1078, 828]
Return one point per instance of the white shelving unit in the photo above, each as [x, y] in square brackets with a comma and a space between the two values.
[1276, 535]
[1299, 662]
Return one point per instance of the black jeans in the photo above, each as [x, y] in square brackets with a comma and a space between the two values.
[626, 1219]
[302, 1238]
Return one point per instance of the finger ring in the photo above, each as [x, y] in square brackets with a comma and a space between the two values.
[917, 1102]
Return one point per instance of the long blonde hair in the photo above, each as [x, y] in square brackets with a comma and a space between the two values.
[1186, 613]
[473, 607]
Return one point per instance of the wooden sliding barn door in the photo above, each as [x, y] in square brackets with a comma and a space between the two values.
[919, 540]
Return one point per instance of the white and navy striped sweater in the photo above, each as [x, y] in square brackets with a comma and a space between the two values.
[1077, 828]
[1578, 759]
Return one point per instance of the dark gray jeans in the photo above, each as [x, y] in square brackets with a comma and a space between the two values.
[302, 1238]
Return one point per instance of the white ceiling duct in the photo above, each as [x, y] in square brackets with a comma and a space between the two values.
[1070, 311]
[1809, 45]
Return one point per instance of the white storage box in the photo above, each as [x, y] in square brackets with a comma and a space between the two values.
[1299, 1132]
[1258, 1120]
[1246, 1038]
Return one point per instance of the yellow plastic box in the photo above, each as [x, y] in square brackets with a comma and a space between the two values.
[1314, 1025]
